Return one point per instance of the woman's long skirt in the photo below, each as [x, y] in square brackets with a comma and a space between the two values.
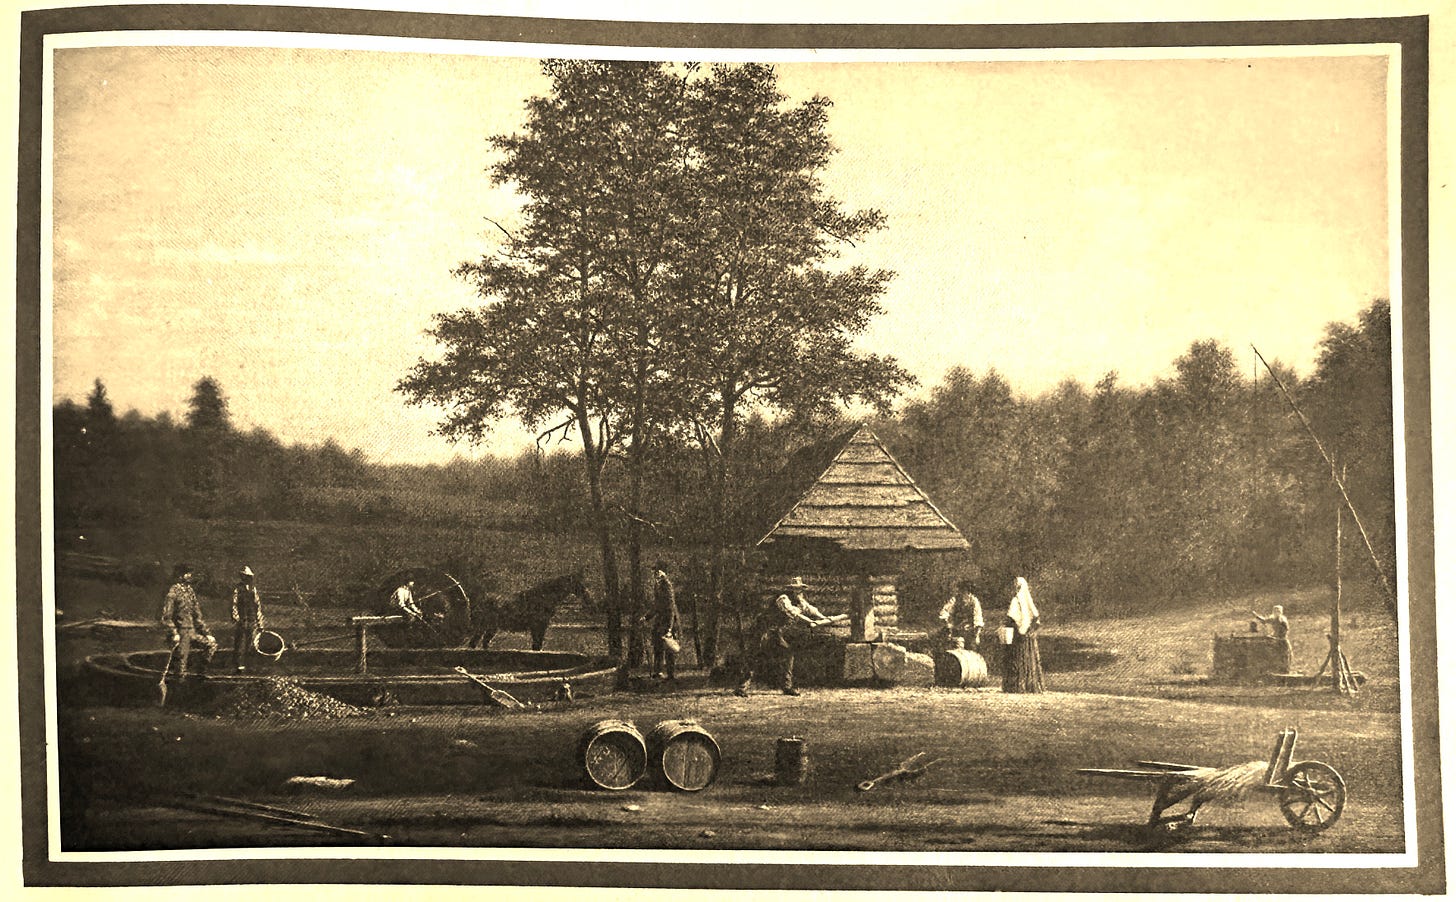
[1022, 671]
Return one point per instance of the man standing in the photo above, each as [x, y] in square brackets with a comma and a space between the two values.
[247, 614]
[962, 615]
[666, 624]
[774, 651]
[182, 617]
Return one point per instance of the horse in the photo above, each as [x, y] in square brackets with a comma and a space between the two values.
[528, 611]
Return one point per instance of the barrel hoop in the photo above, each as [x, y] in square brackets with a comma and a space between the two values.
[613, 754]
[684, 755]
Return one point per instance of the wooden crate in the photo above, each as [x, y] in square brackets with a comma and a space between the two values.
[1248, 659]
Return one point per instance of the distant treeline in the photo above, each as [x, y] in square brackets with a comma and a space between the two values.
[1203, 480]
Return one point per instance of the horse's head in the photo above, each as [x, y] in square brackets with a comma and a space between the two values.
[579, 589]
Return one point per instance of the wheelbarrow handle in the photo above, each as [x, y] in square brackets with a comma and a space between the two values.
[909, 767]
[867, 785]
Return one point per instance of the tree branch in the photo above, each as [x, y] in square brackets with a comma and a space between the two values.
[562, 427]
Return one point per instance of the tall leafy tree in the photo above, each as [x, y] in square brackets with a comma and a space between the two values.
[570, 337]
[765, 322]
[1351, 409]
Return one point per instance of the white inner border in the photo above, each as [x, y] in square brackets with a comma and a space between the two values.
[53, 42]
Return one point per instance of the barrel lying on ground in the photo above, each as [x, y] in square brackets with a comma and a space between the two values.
[612, 754]
[960, 667]
[683, 754]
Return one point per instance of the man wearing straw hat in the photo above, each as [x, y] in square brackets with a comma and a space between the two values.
[774, 651]
[247, 614]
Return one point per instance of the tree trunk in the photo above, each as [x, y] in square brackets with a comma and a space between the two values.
[722, 529]
[636, 463]
[612, 590]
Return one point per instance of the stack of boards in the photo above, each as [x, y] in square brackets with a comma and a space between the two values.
[680, 754]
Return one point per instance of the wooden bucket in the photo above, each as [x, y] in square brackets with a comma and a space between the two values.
[612, 754]
[791, 761]
[960, 667]
[683, 755]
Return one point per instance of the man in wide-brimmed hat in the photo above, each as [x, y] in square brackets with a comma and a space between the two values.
[247, 614]
[182, 618]
[774, 650]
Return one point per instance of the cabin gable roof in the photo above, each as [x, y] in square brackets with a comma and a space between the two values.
[851, 491]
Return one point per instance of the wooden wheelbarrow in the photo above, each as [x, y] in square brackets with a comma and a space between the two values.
[1311, 794]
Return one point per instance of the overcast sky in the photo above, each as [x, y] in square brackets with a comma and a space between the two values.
[286, 220]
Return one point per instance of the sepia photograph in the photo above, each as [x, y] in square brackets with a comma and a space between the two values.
[678, 447]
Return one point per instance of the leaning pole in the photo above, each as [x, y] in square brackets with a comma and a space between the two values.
[1335, 477]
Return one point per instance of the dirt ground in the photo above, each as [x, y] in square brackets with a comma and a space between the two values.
[1006, 779]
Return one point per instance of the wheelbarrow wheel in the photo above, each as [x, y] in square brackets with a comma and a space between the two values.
[1313, 796]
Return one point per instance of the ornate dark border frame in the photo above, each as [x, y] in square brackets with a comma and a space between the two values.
[1411, 33]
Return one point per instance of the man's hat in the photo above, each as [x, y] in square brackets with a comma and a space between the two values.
[659, 565]
[246, 571]
[181, 569]
[795, 583]
[964, 584]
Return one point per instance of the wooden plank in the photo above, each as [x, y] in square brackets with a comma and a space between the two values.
[876, 539]
[861, 451]
[1168, 765]
[881, 517]
[1144, 775]
[876, 498]
[864, 472]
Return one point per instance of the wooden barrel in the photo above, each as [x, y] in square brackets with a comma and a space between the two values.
[612, 754]
[683, 755]
[960, 667]
[791, 761]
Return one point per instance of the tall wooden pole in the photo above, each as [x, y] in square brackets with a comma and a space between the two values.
[1337, 656]
[1339, 483]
